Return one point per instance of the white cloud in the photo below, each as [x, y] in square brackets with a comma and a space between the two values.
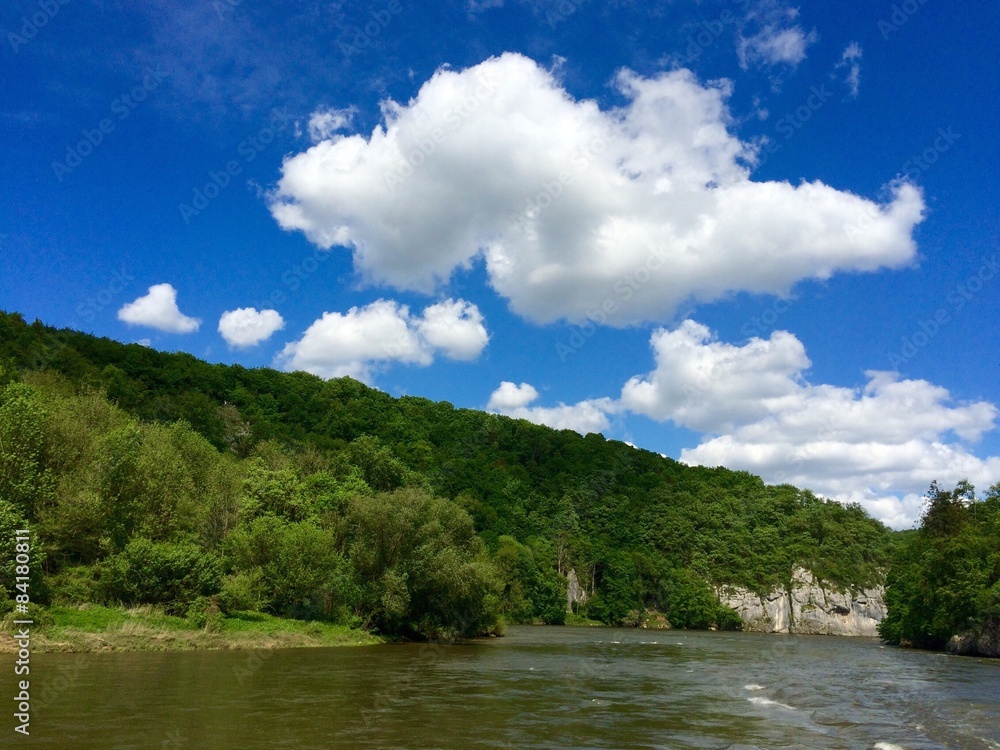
[880, 445]
[851, 59]
[572, 208]
[710, 386]
[248, 327]
[324, 123]
[772, 46]
[364, 338]
[583, 416]
[455, 327]
[510, 396]
[158, 309]
[776, 38]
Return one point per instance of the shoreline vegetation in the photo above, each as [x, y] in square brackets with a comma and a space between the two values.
[213, 494]
[97, 629]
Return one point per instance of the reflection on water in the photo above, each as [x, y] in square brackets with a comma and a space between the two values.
[536, 688]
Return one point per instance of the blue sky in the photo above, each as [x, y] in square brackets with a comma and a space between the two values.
[740, 232]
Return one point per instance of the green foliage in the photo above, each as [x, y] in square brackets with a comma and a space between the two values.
[272, 492]
[204, 612]
[291, 568]
[74, 584]
[244, 591]
[170, 573]
[530, 589]
[689, 602]
[12, 520]
[945, 577]
[379, 469]
[420, 566]
[25, 480]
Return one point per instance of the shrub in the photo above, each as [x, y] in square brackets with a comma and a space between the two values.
[169, 573]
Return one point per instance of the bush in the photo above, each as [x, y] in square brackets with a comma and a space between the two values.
[168, 573]
[243, 591]
[293, 567]
[25, 480]
[77, 584]
[204, 613]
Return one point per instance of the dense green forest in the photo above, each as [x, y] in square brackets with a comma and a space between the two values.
[945, 576]
[151, 477]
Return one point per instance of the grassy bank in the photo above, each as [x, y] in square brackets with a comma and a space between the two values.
[97, 628]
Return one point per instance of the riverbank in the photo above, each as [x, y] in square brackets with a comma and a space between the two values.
[94, 628]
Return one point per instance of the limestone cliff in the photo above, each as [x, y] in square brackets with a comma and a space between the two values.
[808, 606]
[576, 594]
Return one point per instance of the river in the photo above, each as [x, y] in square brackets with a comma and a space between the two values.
[536, 688]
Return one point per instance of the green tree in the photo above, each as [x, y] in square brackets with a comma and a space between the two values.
[297, 566]
[421, 568]
[170, 573]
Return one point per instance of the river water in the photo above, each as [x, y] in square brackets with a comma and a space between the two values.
[539, 687]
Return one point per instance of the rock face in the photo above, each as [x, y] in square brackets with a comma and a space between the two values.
[575, 593]
[808, 607]
[983, 641]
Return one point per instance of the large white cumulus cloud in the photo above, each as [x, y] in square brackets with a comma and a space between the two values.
[880, 445]
[564, 200]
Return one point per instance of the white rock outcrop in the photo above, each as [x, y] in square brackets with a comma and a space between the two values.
[808, 606]
[576, 595]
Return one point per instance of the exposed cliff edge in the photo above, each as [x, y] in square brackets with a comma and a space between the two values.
[809, 607]
[576, 594]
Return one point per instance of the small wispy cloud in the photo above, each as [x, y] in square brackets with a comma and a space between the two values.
[323, 123]
[776, 37]
[851, 59]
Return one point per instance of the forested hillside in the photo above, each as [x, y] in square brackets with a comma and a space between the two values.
[158, 478]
